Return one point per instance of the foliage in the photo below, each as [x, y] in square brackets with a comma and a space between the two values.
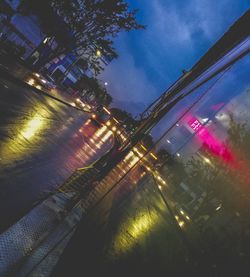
[125, 118]
[83, 26]
[91, 86]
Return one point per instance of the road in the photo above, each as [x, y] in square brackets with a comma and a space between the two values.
[42, 141]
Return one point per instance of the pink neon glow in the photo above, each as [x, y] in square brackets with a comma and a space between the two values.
[209, 141]
[232, 157]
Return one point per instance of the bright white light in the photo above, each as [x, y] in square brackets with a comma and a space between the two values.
[204, 119]
[219, 207]
[31, 82]
[45, 40]
[181, 223]
[207, 160]
[178, 154]
[106, 110]
[168, 141]
[106, 83]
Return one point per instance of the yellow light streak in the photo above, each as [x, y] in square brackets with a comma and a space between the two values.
[152, 155]
[106, 110]
[143, 147]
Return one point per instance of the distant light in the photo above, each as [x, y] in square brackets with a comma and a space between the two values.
[176, 217]
[114, 128]
[118, 132]
[187, 217]
[219, 207]
[45, 40]
[108, 123]
[78, 100]
[38, 87]
[106, 110]
[73, 104]
[160, 187]
[143, 147]
[93, 116]
[37, 75]
[178, 154]
[181, 223]
[115, 120]
[98, 53]
[31, 82]
[44, 81]
[177, 124]
[204, 119]
[207, 160]
[106, 83]
[168, 141]
[152, 155]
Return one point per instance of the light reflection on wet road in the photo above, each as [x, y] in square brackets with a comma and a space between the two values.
[42, 141]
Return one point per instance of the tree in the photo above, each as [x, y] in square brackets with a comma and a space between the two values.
[91, 87]
[125, 118]
[92, 26]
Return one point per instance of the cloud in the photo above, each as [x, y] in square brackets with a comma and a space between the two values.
[128, 82]
[178, 33]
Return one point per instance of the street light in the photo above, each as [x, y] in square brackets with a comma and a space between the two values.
[46, 40]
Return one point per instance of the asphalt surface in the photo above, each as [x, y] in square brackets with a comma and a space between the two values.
[42, 141]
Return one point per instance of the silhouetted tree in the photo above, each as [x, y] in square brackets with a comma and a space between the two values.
[125, 118]
[91, 87]
[91, 25]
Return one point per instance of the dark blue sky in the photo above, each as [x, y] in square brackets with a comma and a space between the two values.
[178, 33]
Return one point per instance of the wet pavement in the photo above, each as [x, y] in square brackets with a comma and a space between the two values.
[42, 141]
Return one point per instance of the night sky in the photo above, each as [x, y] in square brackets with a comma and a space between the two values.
[178, 33]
